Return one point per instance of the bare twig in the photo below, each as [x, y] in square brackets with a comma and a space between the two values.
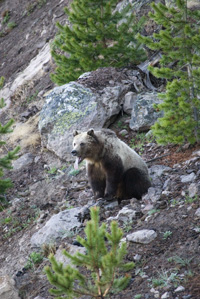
[157, 158]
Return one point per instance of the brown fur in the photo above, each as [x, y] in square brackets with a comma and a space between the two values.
[113, 169]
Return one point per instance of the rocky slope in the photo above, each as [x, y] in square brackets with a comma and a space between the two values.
[48, 193]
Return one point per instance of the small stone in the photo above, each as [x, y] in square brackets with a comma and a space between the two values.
[196, 153]
[165, 295]
[197, 229]
[137, 257]
[189, 171]
[188, 178]
[187, 296]
[123, 132]
[124, 215]
[111, 205]
[197, 213]
[166, 184]
[166, 193]
[193, 190]
[154, 194]
[144, 236]
[155, 292]
[186, 146]
[129, 99]
[183, 193]
[179, 289]
[158, 170]
[37, 158]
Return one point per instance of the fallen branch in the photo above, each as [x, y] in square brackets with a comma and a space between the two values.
[157, 158]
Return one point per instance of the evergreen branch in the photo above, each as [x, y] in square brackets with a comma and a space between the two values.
[103, 265]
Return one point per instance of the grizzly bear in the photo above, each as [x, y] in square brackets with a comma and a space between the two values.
[113, 168]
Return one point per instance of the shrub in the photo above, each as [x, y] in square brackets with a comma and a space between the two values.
[178, 41]
[98, 36]
[102, 265]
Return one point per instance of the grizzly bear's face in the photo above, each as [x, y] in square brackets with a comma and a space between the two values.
[85, 145]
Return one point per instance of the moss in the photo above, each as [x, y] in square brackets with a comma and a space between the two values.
[66, 107]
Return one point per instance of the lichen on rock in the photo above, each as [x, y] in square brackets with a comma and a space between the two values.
[67, 107]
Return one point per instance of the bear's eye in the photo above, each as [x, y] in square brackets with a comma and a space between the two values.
[82, 144]
[74, 144]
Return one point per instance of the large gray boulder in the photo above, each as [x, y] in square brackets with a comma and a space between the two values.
[67, 107]
[74, 106]
[144, 114]
[57, 227]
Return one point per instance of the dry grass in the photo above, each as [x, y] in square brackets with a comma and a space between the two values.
[25, 134]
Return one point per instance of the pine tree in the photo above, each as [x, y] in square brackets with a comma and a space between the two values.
[5, 161]
[179, 43]
[103, 265]
[98, 36]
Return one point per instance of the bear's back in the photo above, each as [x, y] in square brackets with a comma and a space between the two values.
[113, 146]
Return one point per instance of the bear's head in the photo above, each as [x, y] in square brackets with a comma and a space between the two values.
[85, 146]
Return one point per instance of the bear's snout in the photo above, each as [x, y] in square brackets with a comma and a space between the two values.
[74, 153]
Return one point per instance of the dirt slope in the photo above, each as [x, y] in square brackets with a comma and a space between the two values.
[44, 188]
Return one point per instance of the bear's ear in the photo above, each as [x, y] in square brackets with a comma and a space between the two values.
[90, 132]
[75, 133]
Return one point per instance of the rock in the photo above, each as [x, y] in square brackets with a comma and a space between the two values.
[137, 257]
[7, 288]
[144, 236]
[17, 203]
[144, 114]
[28, 113]
[72, 249]
[129, 100]
[33, 71]
[193, 4]
[153, 194]
[23, 161]
[75, 107]
[137, 4]
[196, 153]
[193, 190]
[179, 289]
[155, 292]
[111, 205]
[158, 170]
[166, 184]
[56, 227]
[67, 108]
[188, 178]
[123, 132]
[124, 215]
[197, 213]
[165, 295]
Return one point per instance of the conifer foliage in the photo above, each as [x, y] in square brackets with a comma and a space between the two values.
[179, 43]
[103, 265]
[98, 36]
[5, 161]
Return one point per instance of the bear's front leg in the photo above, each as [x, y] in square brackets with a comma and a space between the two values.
[111, 187]
[114, 172]
[97, 179]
